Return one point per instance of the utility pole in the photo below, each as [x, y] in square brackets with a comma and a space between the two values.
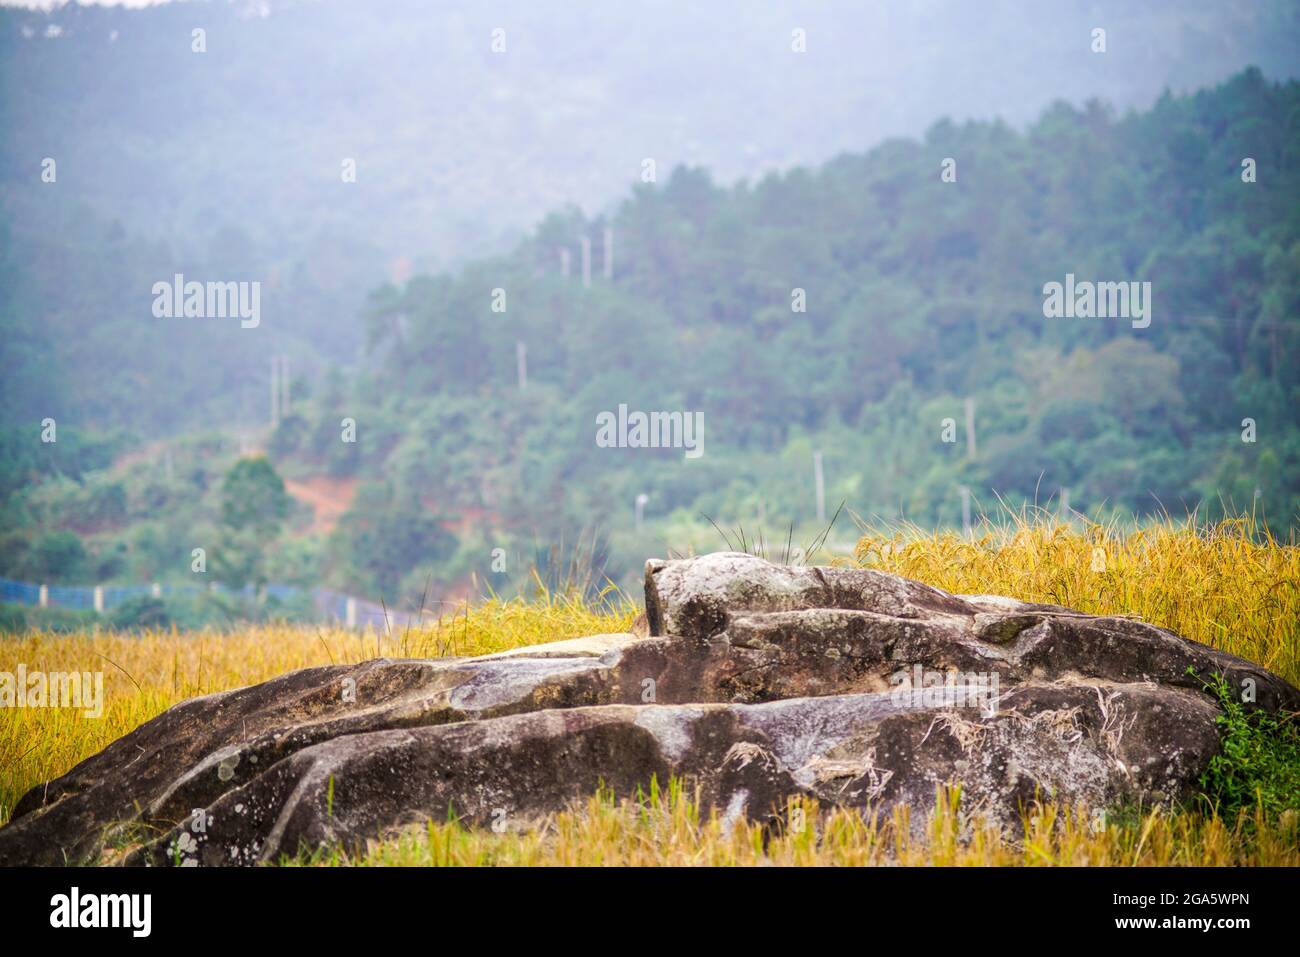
[609, 253]
[965, 510]
[1065, 503]
[820, 479]
[521, 363]
[275, 392]
[970, 428]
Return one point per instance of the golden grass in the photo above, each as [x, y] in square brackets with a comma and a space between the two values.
[1220, 586]
[147, 673]
[1230, 585]
[667, 830]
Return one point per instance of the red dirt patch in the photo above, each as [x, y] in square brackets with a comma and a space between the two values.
[328, 496]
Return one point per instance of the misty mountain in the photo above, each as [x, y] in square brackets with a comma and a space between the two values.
[228, 164]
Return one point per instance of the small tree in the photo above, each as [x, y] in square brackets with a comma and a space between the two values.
[253, 497]
[254, 505]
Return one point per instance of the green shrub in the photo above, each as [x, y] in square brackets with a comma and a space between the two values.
[13, 619]
[142, 611]
[1258, 764]
[61, 619]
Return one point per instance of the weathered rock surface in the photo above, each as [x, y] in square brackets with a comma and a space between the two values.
[757, 681]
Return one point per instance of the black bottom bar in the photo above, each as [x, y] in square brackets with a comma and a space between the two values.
[367, 905]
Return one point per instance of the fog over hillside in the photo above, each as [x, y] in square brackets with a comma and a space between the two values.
[228, 162]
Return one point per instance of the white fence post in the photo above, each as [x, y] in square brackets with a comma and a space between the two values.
[99, 599]
[351, 612]
[45, 596]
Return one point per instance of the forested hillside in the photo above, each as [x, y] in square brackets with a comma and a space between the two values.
[917, 294]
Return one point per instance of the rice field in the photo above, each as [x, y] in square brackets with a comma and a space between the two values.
[1227, 586]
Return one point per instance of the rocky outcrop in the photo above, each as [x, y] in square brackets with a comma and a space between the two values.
[758, 682]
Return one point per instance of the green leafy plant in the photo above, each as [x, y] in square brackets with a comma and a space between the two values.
[1258, 765]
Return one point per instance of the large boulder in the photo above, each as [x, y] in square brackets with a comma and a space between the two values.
[758, 682]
